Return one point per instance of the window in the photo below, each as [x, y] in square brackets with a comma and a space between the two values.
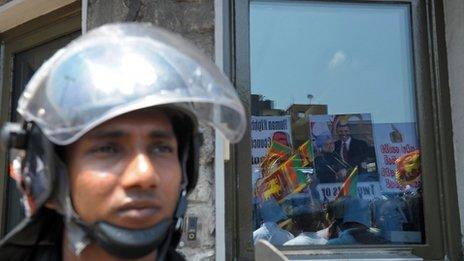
[323, 78]
[355, 61]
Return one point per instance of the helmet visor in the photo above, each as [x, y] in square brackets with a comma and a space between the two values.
[110, 72]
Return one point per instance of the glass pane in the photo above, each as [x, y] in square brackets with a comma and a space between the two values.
[335, 148]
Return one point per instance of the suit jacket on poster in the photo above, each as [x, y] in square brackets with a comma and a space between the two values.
[357, 152]
[327, 165]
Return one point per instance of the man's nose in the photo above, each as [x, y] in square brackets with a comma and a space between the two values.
[140, 172]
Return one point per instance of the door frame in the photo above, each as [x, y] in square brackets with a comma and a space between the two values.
[33, 33]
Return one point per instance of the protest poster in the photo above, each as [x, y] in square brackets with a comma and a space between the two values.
[365, 190]
[342, 142]
[393, 140]
[265, 129]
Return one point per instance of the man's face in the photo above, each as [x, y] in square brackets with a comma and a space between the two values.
[328, 146]
[126, 171]
[281, 138]
[343, 132]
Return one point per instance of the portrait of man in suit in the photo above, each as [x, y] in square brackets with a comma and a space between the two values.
[352, 151]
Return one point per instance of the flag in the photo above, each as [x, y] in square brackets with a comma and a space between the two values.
[408, 168]
[288, 178]
[293, 178]
[279, 149]
[289, 171]
[350, 186]
[306, 152]
[271, 187]
[276, 154]
[270, 164]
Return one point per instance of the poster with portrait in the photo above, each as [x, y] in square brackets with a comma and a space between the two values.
[344, 145]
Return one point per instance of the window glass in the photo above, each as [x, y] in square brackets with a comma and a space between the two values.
[335, 148]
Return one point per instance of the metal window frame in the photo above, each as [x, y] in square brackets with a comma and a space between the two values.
[43, 29]
[441, 212]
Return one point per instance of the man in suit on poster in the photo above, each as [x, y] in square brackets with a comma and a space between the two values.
[351, 150]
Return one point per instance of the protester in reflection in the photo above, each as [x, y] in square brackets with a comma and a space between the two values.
[308, 219]
[272, 213]
[329, 166]
[351, 223]
[395, 213]
[389, 215]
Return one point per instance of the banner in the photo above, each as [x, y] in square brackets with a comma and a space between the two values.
[265, 129]
[393, 140]
[366, 190]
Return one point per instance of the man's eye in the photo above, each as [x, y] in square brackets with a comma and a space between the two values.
[105, 149]
[162, 149]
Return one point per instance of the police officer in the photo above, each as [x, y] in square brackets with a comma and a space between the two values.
[108, 146]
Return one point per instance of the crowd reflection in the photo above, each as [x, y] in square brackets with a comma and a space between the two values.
[303, 219]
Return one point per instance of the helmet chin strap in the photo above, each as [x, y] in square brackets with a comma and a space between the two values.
[116, 240]
[124, 242]
[131, 243]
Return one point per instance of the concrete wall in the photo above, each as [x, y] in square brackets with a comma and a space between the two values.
[454, 19]
[194, 19]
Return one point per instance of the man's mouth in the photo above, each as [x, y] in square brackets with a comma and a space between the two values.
[138, 213]
[138, 209]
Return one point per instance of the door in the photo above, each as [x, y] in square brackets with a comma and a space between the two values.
[25, 64]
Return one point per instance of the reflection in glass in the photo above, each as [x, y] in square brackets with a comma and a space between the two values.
[335, 149]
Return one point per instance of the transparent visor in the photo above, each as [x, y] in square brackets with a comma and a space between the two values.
[102, 76]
